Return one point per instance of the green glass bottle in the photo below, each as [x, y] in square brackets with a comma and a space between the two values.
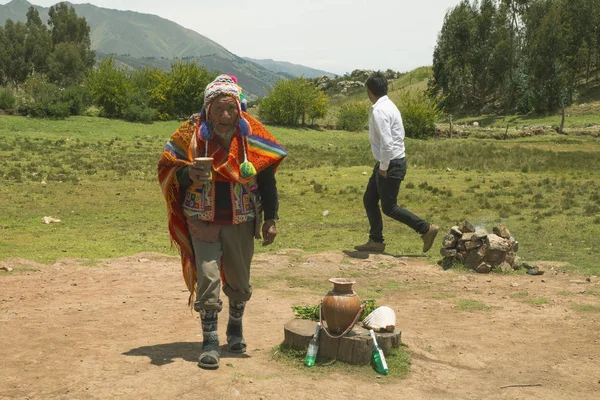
[313, 348]
[378, 357]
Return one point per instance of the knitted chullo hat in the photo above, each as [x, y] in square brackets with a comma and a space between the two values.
[225, 85]
[222, 85]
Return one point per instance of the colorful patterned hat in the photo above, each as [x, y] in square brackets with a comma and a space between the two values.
[222, 85]
[226, 85]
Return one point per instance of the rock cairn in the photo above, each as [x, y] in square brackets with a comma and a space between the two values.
[479, 250]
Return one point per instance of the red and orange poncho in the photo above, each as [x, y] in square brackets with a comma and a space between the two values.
[263, 150]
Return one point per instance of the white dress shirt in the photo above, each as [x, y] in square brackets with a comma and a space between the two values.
[386, 132]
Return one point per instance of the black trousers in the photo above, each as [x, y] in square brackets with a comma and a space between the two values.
[385, 189]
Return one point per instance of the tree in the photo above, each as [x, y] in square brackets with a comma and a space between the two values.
[452, 66]
[546, 53]
[319, 107]
[515, 54]
[180, 92]
[14, 67]
[109, 86]
[38, 42]
[353, 116]
[71, 56]
[419, 112]
[291, 101]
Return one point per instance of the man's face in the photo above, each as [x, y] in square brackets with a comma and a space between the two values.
[224, 115]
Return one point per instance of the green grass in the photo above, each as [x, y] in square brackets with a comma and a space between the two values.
[442, 295]
[521, 121]
[519, 295]
[398, 360]
[538, 301]
[586, 308]
[101, 183]
[472, 305]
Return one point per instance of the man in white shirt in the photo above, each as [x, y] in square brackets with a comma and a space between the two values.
[386, 134]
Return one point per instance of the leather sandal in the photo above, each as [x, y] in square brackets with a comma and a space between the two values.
[236, 344]
[210, 356]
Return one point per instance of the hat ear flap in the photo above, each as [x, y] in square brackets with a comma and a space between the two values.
[204, 131]
[244, 127]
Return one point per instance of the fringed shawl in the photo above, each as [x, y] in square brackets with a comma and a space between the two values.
[263, 151]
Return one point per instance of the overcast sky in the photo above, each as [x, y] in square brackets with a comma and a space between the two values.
[334, 35]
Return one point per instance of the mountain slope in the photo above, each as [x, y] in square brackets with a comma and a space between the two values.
[288, 68]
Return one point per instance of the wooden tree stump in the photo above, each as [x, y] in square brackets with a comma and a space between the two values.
[354, 348]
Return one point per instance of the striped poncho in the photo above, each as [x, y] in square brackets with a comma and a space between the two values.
[263, 150]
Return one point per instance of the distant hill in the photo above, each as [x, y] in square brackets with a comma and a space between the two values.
[137, 40]
[290, 69]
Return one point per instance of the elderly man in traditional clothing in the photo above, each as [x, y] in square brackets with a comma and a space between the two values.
[216, 212]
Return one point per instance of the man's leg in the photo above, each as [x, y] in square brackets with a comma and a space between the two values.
[208, 304]
[371, 203]
[238, 250]
[388, 191]
[388, 188]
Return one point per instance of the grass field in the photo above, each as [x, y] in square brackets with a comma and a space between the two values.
[101, 184]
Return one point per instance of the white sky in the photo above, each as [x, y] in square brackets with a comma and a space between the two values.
[333, 35]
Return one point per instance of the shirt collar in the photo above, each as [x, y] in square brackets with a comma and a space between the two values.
[380, 100]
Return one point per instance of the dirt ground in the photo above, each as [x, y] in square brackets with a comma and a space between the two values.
[121, 329]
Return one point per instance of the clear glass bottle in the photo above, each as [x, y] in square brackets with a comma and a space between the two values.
[378, 357]
[313, 348]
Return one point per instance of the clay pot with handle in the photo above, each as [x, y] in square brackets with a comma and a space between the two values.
[341, 306]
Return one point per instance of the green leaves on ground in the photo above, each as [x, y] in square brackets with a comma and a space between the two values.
[312, 312]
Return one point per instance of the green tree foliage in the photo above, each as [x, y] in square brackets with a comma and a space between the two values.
[63, 53]
[148, 94]
[72, 56]
[140, 107]
[353, 116]
[109, 87]
[180, 92]
[419, 112]
[291, 101]
[43, 99]
[546, 51]
[515, 55]
[319, 107]
[38, 43]
[14, 67]
[7, 98]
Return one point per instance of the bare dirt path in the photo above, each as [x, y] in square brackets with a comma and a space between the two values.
[120, 329]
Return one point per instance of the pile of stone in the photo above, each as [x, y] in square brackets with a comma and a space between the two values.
[361, 74]
[479, 250]
[323, 82]
[344, 86]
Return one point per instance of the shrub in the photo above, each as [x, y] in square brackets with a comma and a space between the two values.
[180, 92]
[138, 108]
[419, 112]
[77, 97]
[7, 99]
[292, 101]
[43, 99]
[353, 116]
[108, 86]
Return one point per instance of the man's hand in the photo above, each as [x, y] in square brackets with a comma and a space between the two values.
[383, 173]
[198, 174]
[268, 232]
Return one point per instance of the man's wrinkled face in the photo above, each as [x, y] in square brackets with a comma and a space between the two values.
[224, 115]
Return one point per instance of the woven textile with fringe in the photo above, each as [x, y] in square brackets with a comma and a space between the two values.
[262, 148]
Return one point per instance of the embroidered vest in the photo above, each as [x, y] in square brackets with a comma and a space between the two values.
[199, 201]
